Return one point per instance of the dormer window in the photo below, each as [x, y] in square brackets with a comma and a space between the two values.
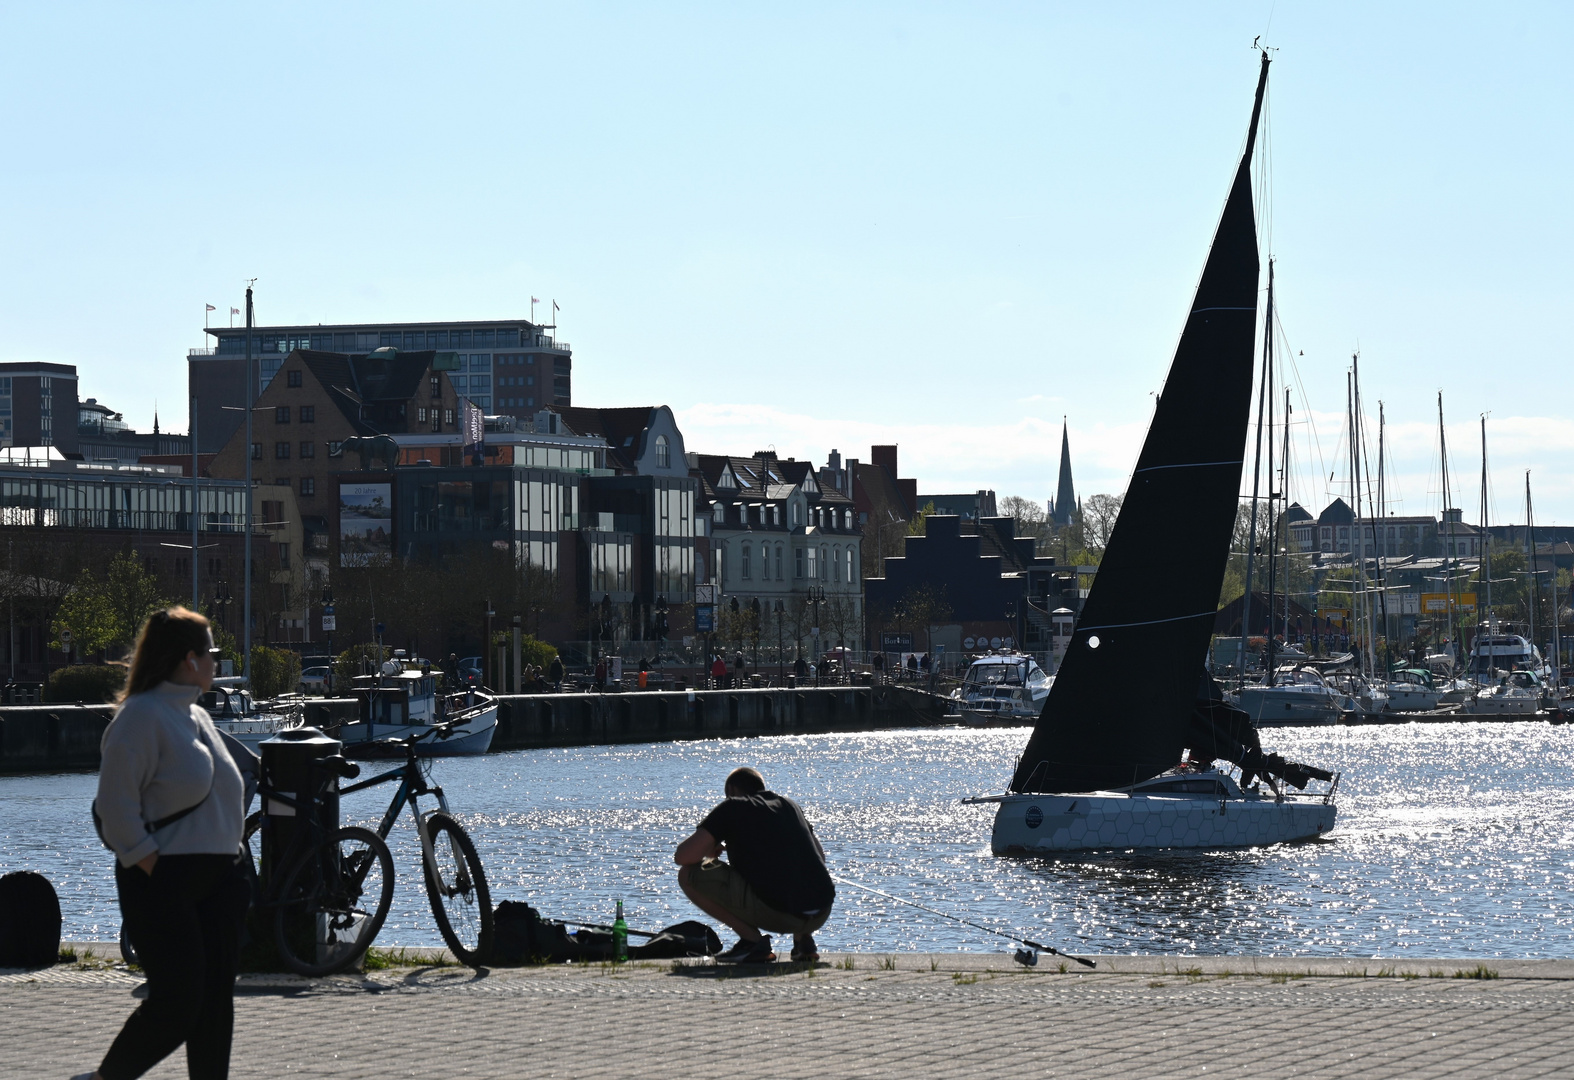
[663, 453]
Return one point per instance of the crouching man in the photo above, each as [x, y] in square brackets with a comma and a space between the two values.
[774, 879]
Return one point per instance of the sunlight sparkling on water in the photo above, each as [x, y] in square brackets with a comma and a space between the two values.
[1452, 840]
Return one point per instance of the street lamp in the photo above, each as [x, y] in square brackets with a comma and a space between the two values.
[486, 647]
[816, 597]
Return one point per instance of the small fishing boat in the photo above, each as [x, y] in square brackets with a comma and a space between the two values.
[1002, 687]
[397, 703]
[1123, 757]
[234, 712]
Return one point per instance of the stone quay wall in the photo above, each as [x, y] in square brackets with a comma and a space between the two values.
[52, 738]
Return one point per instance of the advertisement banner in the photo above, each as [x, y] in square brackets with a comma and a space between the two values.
[1436, 603]
[365, 524]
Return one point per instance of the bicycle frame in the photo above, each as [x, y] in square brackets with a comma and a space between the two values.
[412, 785]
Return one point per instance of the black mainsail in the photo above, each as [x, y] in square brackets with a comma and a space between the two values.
[1122, 703]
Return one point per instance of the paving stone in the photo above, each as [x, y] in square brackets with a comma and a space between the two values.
[972, 1015]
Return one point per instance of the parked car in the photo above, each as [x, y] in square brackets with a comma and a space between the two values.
[316, 680]
[470, 673]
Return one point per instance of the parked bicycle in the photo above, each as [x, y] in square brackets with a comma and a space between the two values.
[328, 891]
[327, 907]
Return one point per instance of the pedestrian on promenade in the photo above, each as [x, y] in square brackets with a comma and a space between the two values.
[555, 673]
[879, 667]
[601, 673]
[774, 878]
[739, 664]
[171, 805]
[718, 671]
[800, 668]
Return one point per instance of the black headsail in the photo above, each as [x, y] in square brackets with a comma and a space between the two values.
[1121, 706]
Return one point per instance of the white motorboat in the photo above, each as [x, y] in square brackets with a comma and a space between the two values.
[1131, 699]
[234, 712]
[1298, 697]
[398, 703]
[1185, 808]
[1364, 697]
[1494, 652]
[1413, 690]
[1003, 686]
[1517, 693]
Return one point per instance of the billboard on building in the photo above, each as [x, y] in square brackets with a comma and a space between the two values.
[365, 524]
[1437, 603]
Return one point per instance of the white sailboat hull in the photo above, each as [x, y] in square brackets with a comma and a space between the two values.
[1289, 706]
[1033, 824]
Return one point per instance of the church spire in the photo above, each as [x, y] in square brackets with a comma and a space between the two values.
[1064, 506]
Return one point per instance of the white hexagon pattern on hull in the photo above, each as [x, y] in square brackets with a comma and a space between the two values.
[1025, 824]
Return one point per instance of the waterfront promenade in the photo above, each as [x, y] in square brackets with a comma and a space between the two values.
[885, 1015]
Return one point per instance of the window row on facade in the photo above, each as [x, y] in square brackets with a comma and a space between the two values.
[766, 561]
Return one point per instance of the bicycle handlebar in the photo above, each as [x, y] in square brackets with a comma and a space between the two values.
[336, 764]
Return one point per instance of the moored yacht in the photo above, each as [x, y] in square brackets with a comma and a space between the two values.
[397, 703]
[1297, 696]
[1003, 686]
[234, 712]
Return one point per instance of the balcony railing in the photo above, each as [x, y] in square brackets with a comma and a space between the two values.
[201, 352]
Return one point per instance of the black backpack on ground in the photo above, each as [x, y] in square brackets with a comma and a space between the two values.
[522, 936]
[29, 921]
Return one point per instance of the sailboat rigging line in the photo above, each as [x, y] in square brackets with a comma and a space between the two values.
[1188, 465]
[968, 922]
[1149, 622]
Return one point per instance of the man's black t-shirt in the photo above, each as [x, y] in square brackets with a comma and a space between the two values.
[772, 845]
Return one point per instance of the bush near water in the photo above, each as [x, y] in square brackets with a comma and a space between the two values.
[91, 684]
[274, 671]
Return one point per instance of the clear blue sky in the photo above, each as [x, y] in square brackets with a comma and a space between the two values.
[939, 225]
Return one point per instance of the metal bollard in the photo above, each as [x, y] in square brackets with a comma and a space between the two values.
[287, 768]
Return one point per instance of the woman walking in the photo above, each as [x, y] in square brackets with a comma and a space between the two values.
[171, 807]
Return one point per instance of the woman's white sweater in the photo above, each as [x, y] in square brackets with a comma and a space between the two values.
[161, 754]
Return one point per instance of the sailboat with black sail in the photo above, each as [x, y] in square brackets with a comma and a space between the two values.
[1104, 766]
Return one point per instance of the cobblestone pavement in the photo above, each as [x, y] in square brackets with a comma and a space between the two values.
[950, 1015]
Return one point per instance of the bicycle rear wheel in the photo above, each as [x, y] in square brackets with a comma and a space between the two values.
[456, 886]
[333, 901]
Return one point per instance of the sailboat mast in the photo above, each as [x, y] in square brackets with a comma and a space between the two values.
[1486, 546]
[1284, 499]
[1530, 561]
[1273, 531]
[1364, 601]
[1382, 572]
[1448, 566]
[1251, 539]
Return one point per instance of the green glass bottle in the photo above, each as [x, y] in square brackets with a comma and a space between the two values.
[620, 936]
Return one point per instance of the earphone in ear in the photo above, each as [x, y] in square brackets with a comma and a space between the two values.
[193, 664]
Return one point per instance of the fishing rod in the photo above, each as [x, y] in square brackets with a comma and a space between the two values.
[1022, 955]
[601, 926]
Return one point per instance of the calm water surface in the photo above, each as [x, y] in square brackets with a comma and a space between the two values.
[1452, 840]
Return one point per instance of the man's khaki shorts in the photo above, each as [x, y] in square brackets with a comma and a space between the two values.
[718, 881]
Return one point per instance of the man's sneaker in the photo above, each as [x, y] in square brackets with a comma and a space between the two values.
[749, 952]
[805, 951]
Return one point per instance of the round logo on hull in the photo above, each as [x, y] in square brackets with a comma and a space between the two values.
[1034, 817]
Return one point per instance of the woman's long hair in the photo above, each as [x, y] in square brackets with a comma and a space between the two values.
[162, 646]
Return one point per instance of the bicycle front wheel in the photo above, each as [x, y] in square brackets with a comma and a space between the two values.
[456, 886]
[333, 901]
